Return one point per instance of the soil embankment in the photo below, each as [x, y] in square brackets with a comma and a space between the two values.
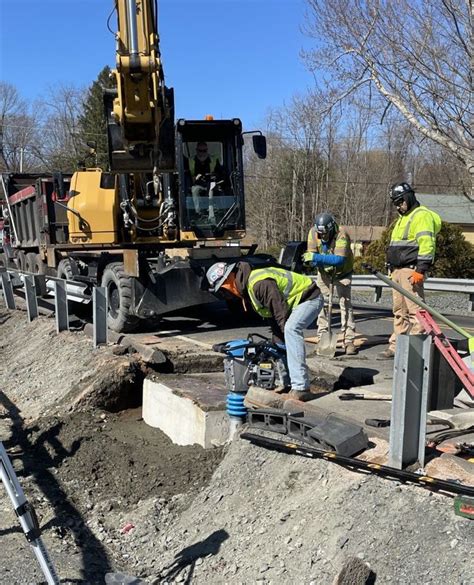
[115, 495]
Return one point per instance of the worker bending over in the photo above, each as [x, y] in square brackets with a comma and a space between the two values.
[291, 301]
[410, 255]
[329, 249]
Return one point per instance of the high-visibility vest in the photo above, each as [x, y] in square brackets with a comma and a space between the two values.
[413, 239]
[290, 284]
[340, 246]
[212, 163]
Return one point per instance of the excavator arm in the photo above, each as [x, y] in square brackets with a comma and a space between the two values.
[140, 111]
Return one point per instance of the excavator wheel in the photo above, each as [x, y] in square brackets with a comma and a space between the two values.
[119, 294]
[30, 262]
[67, 269]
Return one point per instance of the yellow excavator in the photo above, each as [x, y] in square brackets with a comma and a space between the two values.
[170, 203]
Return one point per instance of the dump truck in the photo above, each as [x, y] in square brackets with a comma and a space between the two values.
[146, 228]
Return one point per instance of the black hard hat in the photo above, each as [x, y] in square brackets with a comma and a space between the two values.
[325, 225]
[399, 190]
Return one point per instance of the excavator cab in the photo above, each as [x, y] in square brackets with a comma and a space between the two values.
[210, 173]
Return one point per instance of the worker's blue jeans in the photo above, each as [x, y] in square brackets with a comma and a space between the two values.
[301, 318]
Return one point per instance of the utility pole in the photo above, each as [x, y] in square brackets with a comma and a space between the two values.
[22, 149]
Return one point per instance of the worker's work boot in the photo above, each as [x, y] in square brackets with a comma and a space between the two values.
[388, 354]
[301, 395]
[351, 349]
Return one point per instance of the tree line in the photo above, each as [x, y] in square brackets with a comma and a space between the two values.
[392, 100]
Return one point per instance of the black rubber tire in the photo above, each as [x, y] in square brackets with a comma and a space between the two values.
[30, 262]
[67, 269]
[21, 260]
[119, 294]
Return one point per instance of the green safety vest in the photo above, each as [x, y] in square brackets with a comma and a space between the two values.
[212, 164]
[290, 284]
[413, 239]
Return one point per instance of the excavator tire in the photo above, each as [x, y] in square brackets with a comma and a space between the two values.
[119, 294]
[67, 269]
[30, 262]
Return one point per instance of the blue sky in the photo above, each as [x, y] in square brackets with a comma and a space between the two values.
[228, 58]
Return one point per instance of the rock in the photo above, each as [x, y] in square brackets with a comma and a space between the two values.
[354, 572]
[451, 467]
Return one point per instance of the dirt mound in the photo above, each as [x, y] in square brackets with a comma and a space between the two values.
[268, 517]
[84, 468]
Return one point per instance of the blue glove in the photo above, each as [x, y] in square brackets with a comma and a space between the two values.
[318, 260]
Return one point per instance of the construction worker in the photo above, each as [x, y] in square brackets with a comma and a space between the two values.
[291, 301]
[201, 166]
[410, 255]
[329, 249]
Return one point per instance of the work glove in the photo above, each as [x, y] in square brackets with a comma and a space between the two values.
[417, 278]
[308, 257]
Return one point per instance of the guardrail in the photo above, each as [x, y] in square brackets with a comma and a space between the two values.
[40, 285]
[453, 285]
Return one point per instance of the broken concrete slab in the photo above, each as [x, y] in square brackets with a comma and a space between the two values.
[458, 418]
[450, 467]
[188, 409]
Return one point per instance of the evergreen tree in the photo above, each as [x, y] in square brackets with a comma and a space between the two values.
[92, 122]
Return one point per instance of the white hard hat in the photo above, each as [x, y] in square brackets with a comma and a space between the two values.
[217, 274]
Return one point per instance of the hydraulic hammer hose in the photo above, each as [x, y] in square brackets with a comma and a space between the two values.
[417, 301]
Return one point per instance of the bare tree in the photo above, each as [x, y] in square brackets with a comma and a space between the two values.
[17, 131]
[418, 55]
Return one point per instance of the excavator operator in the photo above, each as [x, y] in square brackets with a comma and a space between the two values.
[201, 167]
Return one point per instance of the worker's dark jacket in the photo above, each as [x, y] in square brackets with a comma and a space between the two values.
[268, 295]
[413, 239]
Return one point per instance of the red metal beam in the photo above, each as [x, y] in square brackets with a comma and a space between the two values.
[462, 371]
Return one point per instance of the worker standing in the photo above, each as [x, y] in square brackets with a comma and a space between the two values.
[329, 249]
[410, 255]
[291, 301]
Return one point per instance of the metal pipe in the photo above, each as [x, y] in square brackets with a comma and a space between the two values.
[417, 301]
[132, 32]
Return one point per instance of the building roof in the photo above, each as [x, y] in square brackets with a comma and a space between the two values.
[452, 208]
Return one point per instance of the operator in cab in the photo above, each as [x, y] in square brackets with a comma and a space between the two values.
[201, 167]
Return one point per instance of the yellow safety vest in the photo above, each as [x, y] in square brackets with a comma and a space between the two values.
[290, 284]
[413, 239]
[340, 246]
[212, 165]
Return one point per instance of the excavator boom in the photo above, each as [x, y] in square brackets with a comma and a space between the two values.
[140, 112]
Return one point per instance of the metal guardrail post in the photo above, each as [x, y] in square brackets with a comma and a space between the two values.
[7, 290]
[40, 285]
[100, 310]
[411, 386]
[377, 294]
[30, 296]
[61, 306]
